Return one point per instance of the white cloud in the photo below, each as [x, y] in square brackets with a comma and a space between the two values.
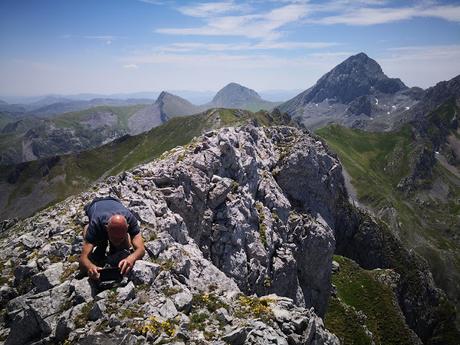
[131, 66]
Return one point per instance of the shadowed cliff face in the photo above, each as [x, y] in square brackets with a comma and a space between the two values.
[238, 211]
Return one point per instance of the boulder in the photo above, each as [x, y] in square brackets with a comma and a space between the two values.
[49, 278]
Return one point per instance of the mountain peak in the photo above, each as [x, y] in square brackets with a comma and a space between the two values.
[360, 56]
[165, 94]
[357, 76]
[233, 95]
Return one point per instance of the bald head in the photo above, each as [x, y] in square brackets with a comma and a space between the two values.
[117, 223]
[117, 229]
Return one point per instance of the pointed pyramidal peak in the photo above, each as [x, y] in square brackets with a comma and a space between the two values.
[164, 95]
[359, 75]
[235, 95]
[165, 107]
[174, 105]
[354, 93]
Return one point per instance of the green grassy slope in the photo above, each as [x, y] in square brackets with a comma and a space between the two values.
[363, 300]
[68, 174]
[5, 119]
[50, 144]
[428, 217]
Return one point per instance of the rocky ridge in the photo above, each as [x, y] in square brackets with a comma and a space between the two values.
[238, 213]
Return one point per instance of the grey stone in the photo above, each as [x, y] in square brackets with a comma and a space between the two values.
[236, 336]
[37, 313]
[183, 301]
[223, 316]
[168, 309]
[26, 326]
[82, 290]
[219, 193]
[263, 334]
[126, 293]
[7, 293]
[24, 272]
[97, 311]
[30, 242]
[49, 278]
[144, 272]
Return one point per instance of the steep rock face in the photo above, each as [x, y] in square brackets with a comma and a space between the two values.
[216, 224]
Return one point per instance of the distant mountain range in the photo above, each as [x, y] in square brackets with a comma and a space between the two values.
[56, 104]
[356, 93]
[46, 131]
[51, 106]
[168, 106]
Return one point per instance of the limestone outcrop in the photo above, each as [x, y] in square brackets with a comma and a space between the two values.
[240, 227]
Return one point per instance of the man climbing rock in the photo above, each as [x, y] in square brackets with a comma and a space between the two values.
[110, 223]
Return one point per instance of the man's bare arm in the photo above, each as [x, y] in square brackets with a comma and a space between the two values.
[85, 262]
[138, 245]
[127, 264]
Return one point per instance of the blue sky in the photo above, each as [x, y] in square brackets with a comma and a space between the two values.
[75, 46]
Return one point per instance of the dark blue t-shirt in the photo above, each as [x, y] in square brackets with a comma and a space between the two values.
[99, 213]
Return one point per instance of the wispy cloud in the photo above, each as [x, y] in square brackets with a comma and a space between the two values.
[270, 45]
[107, 39]
[253, 24]
[358, 15]
[209, 9]
[261, 25]
[153, 2]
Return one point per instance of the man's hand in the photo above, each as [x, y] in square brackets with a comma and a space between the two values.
[126, 265]
[93, 272]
